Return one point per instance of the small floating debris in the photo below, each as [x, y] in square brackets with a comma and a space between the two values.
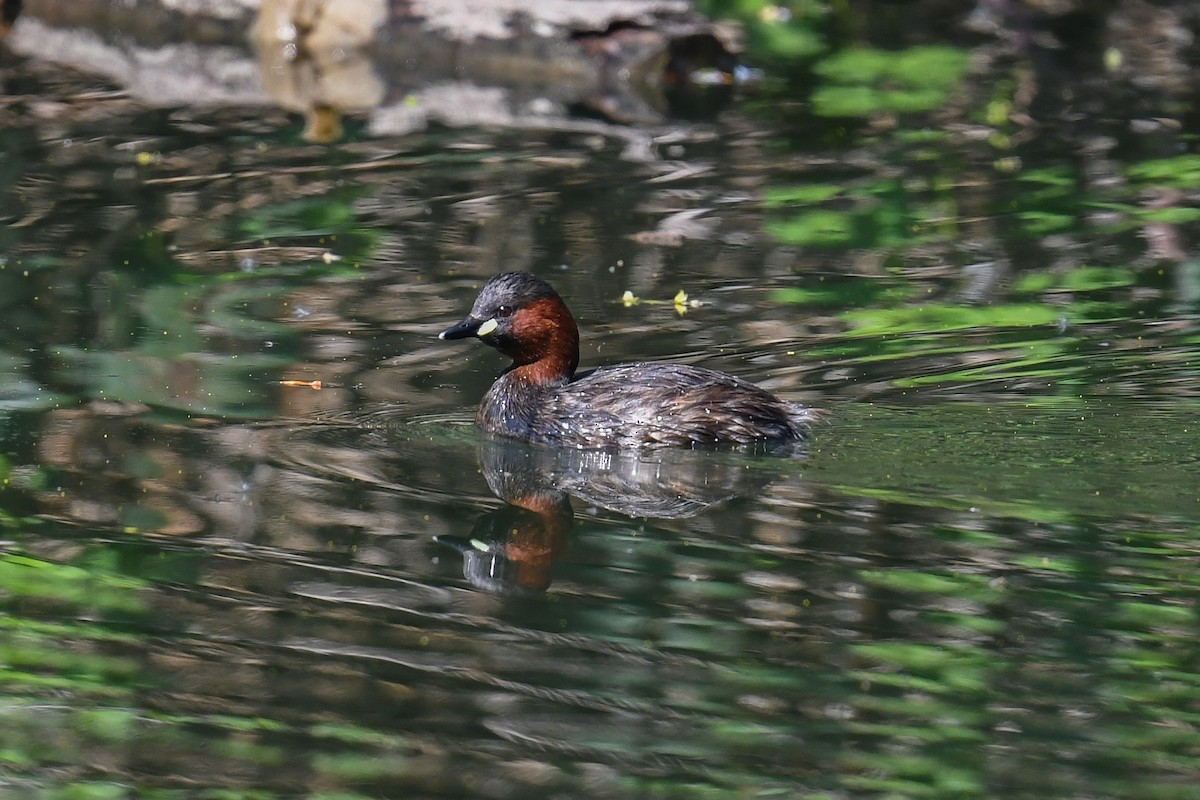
[681, 301]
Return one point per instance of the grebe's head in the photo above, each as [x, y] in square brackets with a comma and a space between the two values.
[523, 317]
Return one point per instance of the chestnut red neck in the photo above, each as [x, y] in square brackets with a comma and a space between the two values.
[547, 340]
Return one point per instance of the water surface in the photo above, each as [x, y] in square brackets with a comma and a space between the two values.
[978, 580]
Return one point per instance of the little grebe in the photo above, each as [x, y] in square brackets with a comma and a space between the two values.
[540, 398]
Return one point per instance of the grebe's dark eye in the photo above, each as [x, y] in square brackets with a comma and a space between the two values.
[504, 311]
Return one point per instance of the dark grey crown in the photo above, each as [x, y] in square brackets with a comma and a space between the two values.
[512, 289]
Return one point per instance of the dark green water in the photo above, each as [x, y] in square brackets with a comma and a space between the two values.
[980, 579]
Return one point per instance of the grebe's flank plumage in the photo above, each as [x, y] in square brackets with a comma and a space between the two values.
[540, 397]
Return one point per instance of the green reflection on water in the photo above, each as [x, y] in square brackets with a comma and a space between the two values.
[934, 317]
[1078, 668]
[84, 677]
[1081, 279]
[1181, 171]
[843, 294]
[94, 583]
[863, 82]
[868, 212]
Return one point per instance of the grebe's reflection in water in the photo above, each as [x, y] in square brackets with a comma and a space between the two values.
[512, 549]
